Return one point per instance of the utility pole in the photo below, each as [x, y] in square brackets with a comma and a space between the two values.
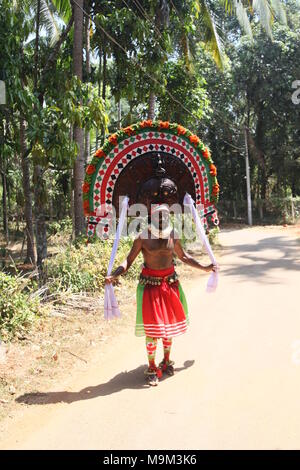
[249, 205]
[2, 92]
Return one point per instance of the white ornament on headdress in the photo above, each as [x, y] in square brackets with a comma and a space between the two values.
[212, 282]
[111, 308]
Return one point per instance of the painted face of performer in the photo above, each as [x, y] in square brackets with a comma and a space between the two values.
[160, 216]
[159, 189]
[164, 192]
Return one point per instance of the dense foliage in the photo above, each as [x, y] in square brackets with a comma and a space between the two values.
[75, 71]
[17, 306]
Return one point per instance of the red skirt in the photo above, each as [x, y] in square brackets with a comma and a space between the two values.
[161, 309]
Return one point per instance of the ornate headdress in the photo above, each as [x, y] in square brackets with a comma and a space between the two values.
[151, 161]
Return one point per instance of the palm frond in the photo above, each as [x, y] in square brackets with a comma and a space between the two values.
[63, 8]
[212, 39]
[242, 17]
[185, 45]
[266, 17]
[49, 21]
[24, 5]
[266, 10]
[279, 11]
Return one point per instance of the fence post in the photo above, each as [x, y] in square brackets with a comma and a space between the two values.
[248, 179]
[293, 210]
[260, 209]
[234, 210]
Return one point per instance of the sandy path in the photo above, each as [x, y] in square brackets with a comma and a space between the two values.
[238, 378]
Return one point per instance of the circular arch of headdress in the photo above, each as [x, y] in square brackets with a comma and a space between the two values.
[144, 139]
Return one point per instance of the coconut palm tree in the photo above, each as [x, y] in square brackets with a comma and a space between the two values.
[78, 170]
[47, 17]
[265, 11]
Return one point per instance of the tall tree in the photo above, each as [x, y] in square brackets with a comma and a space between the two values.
[38, 171]
[87, 31]
[78, 131]
[30, 252]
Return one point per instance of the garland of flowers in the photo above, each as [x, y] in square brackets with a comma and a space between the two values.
[134, 129]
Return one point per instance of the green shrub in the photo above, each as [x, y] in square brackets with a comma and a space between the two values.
[213, 236]
[61, 227]
[17, 307]
[82, 268]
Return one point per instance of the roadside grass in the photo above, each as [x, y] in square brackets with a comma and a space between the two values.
[65, 323]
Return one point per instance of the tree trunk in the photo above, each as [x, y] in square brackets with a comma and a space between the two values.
[40, 220]
[4, 205]
[104, 75]
[119, 114]
[104, 85]
[264, 184]
[30, 255]
[39, 191]
[78, 132]
[151, 109]
[37, 40]
[4, 189]
[87, 143]
[71, 192]
[72, 205]
[99, 91]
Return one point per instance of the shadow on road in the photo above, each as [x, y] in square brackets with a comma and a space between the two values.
[286, 256]
[133, 379]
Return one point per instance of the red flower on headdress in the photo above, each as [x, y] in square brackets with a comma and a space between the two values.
[99, 153]
[164, 124]
[206, 153]
[90, 169]
[113, 139]
[215, 189]
[85, 187]
[212, 170]
[86, 204]
[181, 130]
[194, 139]
[147, 123]
[129, 131]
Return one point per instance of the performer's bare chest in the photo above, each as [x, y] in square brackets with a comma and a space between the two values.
[158, 252]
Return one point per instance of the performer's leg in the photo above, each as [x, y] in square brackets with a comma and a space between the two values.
[166, 365]
[151, 344]
[167, 343]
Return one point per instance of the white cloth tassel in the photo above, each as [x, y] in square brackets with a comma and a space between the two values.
[212, 282]
[111, 309]
[107, 303]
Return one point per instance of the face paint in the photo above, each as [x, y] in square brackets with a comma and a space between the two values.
[159, 189]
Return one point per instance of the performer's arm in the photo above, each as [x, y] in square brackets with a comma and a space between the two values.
[188, 259]
[135, 249]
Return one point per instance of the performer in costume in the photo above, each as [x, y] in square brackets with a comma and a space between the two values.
[155, 163]
[161, 305]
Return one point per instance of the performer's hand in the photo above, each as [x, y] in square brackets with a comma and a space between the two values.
[210, 267]
[109, 279]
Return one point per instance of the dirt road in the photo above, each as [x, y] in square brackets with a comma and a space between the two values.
[237, 383]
